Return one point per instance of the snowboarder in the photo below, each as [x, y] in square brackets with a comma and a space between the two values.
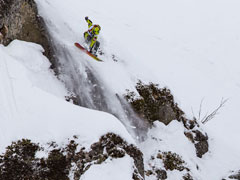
[91, 35]
[3, 32]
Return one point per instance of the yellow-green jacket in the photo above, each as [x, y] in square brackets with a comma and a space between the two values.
[93, 31]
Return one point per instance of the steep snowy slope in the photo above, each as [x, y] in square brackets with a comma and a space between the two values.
[190, 46]
[33, 107]
[79, 71]
[33, 104]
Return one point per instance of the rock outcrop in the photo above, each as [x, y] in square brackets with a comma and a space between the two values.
[171, 162]
[235, 175]
[20, 160]
[23, 22]
[196, 136]
[154, 103]
[158, 104]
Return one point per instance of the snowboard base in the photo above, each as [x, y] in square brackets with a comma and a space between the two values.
[86, 51]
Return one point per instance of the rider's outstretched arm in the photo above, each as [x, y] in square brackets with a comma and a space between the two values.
[88, 21]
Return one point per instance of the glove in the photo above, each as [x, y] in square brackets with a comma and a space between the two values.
[86, 18]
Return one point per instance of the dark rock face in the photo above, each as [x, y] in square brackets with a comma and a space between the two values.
[161, 174]
[235, 176]
[23, 22]
[187, 177]
[154, 103]
[20, 161]
[167, 114]
[201, 143]
[116, 147]
[171, 162]
[201, 148]
[197, 137]
[3, 32]
[199, 140]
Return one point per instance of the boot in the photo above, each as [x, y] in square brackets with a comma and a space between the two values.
[95, 48]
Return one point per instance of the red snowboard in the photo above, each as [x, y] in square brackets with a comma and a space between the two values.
[87, 52]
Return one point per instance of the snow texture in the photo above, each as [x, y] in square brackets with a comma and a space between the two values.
[190, 46]
[117, 169]
[33, 104]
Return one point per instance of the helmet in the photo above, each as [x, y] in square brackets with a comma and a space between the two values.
[97, 29]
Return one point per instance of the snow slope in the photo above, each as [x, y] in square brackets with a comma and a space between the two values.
[33, 104]
[190, 46]
[117, 169]
[170, 138]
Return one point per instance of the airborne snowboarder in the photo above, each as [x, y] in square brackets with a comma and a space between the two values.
[91, 35]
